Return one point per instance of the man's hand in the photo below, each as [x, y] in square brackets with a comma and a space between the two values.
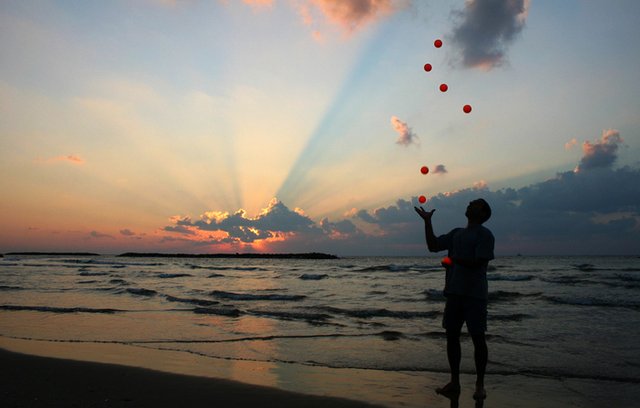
[432, 243]
[425, 215]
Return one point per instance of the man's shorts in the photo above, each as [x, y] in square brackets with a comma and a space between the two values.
[460, 309]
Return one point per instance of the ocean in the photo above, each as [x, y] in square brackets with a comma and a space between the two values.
[549, 317]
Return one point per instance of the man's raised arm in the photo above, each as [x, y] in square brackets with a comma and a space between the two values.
[432, 242]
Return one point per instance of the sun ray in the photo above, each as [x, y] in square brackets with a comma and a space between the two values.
[327, 132]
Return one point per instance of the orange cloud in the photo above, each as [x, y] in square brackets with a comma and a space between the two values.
[480, 185]
[272, 225]
[571, 143]
[349, 15]
[73, 159]
[258, 3]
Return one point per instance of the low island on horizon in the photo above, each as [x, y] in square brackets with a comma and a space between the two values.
[257, 255]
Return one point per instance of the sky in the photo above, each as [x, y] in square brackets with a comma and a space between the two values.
[209, 126]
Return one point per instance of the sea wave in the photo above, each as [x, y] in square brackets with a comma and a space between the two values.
[291, 315]
[141, 291]
[52, 309]
[10, 287]
[227, 268]
[506, 296]
[590, 301]
[173, 275]
[249, 296]
[384, 268]
[87, 273]
[221, 311]
[311, 276]
[118, 281]
[114, 264]
[513, 278]
[516, 317]
[566, 280]
[381, 312]
[436, 295]
[193, 301]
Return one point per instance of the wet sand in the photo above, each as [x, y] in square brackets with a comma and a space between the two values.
[31, 381]
[117, 375]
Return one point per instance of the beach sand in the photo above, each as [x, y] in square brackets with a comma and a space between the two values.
[117, 375]
[31, 381]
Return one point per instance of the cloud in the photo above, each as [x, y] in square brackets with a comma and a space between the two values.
[273, 222]
[485, 30]
[99, 235]
[127, 232]
[340, 229]
[440, 169]
[349, 15]
[180, 229]
[72, 158]
[595, 211]
[570, 144]
[601, 153]
[480, 185]
[258, 2]
[401, 212]
[406, 135]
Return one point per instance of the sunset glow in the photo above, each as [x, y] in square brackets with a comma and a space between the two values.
[276, 125]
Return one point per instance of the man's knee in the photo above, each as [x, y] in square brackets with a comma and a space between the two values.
[453, 334]
[479, 340]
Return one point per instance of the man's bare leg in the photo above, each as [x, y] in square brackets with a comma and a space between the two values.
[481, 356]
[453, 355]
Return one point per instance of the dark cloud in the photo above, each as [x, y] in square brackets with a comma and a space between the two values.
[440, 169]
[127, 232]
[601, 153]
[485, 30]
[574, 213]
[245, 234]
[277, 217]
[273, 221]
[344, 227]
[365, 216]
[399, 213]
[180, 229]
[99, 235]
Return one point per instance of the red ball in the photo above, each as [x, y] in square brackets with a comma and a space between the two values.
[466, 109]
[443, 88]
[422, 199]
[446, 261]
[438, 43]
[424, 170]
[427, 67]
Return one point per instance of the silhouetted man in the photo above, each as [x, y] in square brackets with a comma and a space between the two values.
[470, 250]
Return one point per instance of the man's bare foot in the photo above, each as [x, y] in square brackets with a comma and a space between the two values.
[449, 390]
[480, 393]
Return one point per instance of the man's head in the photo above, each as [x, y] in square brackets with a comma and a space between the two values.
[478, 211]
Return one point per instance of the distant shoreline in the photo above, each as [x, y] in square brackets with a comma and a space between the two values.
[306, 255]
[54, 253]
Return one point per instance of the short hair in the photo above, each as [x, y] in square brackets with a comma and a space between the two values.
[486, 210]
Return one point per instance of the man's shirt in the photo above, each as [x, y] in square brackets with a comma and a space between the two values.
[475, 242]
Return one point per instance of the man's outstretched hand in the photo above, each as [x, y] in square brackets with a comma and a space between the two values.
[425, 215]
